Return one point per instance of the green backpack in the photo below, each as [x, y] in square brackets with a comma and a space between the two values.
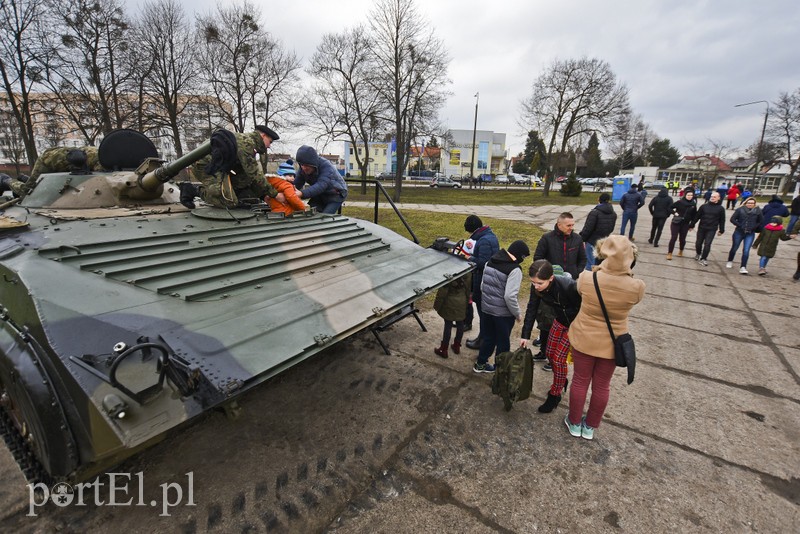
[513, 376]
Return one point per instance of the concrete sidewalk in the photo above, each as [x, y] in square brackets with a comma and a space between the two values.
[709, 433]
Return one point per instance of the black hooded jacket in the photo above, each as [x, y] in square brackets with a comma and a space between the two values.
[599, 223]
[661, 205]
[564, 250]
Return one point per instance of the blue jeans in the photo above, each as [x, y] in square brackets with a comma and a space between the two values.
[589, 256]
[629, 216]
[762, 262]
[330, 207]
[792, 222]
[495, 336]
[739, 238]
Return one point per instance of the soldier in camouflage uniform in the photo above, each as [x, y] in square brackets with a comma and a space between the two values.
[57, 159]
[246, 179]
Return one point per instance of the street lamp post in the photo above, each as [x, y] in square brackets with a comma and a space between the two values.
[760, 142]
[474, 131]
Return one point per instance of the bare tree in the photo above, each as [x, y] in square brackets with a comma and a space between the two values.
[86, 42]
[164, 35]
[629, 139]
[342, 102]
[409, 75]
[573, 97]
[17, 43]
[274, 91]
[232, 45]
[784, 130]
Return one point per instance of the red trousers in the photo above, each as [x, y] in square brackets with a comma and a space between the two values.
[598, 373]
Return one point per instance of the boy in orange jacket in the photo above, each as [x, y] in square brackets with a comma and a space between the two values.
[284, 183]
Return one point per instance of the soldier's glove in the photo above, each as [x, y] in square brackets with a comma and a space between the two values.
[188, 192]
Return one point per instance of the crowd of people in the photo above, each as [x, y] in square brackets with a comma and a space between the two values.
[570, 272]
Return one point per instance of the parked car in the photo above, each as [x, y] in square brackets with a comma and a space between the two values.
[456, 177]
[445, 182]
[385, 176]
[501, 179]
[561, 179]
[597, 181]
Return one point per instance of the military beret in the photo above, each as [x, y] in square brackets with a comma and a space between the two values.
[268, 131]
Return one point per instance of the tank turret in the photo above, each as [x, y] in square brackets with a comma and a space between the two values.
[134, 177]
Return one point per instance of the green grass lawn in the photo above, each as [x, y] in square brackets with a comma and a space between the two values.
[506, 196]
[430, 225]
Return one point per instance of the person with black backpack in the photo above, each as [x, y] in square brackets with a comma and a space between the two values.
[561, 294]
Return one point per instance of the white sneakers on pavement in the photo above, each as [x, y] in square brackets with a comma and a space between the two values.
[743, 270]
[729, 265]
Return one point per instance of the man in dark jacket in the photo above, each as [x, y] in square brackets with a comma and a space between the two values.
[775, 207]
[562, 246]
[660, 208]
[711, 219]
[486, 246]
[326, 189]
[630, 204]
[599, 223]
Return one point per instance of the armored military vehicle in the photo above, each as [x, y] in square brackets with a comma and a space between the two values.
[124, 315]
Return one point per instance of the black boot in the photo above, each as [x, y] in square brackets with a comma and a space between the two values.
[474, 343]
[188, 192]
[550, 404]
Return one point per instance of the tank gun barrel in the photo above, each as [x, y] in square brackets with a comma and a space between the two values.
[153, 179]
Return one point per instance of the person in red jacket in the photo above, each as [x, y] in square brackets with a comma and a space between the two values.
[732, 196]
[284, 183]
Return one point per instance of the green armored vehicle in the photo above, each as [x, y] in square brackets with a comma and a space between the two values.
[124, 315]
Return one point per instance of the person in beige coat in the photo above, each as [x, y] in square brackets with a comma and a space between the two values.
[592, 348]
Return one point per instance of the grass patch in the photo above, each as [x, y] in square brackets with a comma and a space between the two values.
[429, 225]
[503, 196]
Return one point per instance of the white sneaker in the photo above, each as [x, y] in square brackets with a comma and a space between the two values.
[743, 271]
[729, 265]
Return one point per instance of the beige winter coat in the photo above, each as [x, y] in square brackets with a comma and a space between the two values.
[588, 333]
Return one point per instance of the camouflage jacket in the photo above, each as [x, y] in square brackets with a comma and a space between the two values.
[248, 146]
[55, 160]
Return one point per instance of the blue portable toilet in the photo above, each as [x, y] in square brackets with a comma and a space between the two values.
[621, 185]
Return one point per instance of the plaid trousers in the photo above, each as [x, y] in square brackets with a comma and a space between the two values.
[556, 352]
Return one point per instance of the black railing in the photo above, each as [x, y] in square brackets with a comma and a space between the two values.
[379, 189]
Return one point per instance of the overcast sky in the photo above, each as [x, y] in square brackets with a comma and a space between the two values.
[685, 62]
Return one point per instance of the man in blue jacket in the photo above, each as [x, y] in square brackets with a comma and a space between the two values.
[486, 246]
[630, 204]
[326, 189]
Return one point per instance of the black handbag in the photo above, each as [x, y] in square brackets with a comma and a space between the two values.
[624, 349]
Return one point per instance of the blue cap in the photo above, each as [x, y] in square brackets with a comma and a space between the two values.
[286, 168]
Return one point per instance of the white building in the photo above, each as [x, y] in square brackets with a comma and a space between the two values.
[457, 150]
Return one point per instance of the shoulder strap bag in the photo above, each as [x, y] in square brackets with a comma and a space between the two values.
[624, 349]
